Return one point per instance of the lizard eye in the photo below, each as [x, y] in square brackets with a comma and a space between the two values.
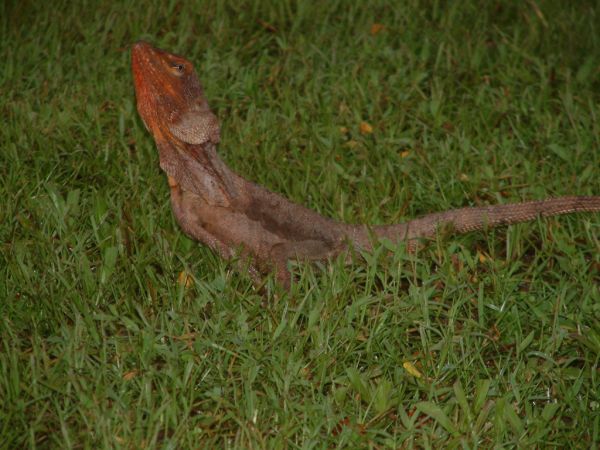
[178, 69]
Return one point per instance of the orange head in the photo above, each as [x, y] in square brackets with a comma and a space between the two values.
[170, 98]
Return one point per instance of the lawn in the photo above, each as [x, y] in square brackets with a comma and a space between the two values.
[117, 331]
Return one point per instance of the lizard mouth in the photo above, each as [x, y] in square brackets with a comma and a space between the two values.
[146, 79]
[140, 61]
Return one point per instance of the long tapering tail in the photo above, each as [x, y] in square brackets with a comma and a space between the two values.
[464, 220]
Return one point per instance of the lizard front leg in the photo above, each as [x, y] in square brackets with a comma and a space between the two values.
[192, 225]
[182, 203]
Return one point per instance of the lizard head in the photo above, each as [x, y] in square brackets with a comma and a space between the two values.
[170, 98]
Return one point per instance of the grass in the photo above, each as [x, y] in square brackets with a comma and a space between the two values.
[485, 340]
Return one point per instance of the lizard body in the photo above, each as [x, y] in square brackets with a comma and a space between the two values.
[218, 207]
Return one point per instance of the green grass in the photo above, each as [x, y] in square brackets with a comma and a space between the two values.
[472, 103]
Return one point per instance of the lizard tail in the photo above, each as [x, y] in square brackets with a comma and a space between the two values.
[464, 220]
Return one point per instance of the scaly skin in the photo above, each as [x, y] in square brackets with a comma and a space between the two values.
[216, 206]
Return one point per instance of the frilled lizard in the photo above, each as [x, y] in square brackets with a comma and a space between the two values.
[216, 206]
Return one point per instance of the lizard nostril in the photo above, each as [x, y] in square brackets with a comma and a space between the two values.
[140, 44]
[139, 48]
